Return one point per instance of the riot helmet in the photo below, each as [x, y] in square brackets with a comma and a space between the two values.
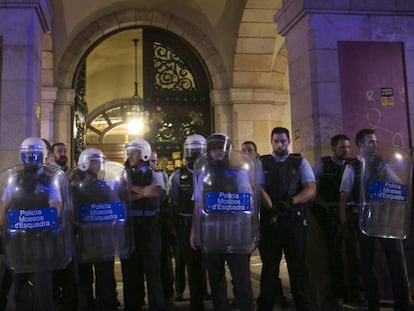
[88, 156]
[33, 150]
[194, 146]
[219, 142]
[218, 148]
[141, 146]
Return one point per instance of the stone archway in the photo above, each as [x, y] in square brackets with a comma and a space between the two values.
[117, 21]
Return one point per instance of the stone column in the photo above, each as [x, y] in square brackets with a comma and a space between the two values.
[23, 24]
[222, 111]
[63, 118]
[47, 101]
[256, 112]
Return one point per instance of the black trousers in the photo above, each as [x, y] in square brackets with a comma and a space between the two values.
[288, 234]
[65, 286]
[105, 286]
[394, 253]
[193, 260]
[145, 259]
[239, 265]
[343, 255]
[33, 291]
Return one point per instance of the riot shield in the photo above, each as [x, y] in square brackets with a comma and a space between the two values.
[99, 217]
[35, 218]
[226, 215]
[385, 189]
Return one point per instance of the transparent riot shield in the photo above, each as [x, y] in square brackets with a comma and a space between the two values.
[35, 218]
[99, 204]
[385, 190]
[226, 216]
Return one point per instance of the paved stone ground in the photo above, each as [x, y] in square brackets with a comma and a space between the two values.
[255, 269]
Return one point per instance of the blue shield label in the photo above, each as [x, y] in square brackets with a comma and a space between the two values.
[381, 190]
[228, 202]
[41, 218]
[101, 212]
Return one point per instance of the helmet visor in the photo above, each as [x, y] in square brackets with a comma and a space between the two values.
[32, 157]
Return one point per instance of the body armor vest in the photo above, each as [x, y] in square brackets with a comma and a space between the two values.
[33, 190]
[375, 169]
[330, 182]
[142, 179]
[283, 179]
[95, 192]
[185, 191]
[221, 179]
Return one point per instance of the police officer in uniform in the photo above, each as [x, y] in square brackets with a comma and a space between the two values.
[180, 194]
[143, 211]
[290, 185]
[65, 281]
[39, 241]
[328, 172]
[224, 234]
[167, 234]
[350, 188]
[94, 204]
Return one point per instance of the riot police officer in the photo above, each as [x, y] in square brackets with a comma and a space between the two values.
[99, 188]
[290, 184]
[328, 172]
[367, 180]
[35, 225]
[225, 219]
[180, 194]
[143, 212]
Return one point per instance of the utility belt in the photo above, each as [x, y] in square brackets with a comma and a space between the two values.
[333, 208]
[142, 213]
[185, 220]
[352, 209]
[289, 214]
[295, 213]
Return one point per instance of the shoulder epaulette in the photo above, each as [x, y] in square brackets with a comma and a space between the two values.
[297, 156]
[353, 161]
[326, 159]
[350, 160]
[266, 157]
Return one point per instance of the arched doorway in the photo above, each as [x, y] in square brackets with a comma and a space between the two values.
[175, 88]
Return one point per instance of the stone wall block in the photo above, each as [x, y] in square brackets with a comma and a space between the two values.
[178, 25]
[47, 42]
[143, 16]
[126, 18]
[264, 4]
[326, 96]
[215, 61]
[255, 45]
[18, 59]
[220, 78]
[257, 15]
[206, 48]
[47, 60]
[241, 95]
[327, 30]
[253, 62]
[193, 35]
[325, 65]
[258, 30]
[47, 77]
[108, 23]
[255, 79]
[93, 32]
[78, 46]
[393, 29]
[160, 19]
